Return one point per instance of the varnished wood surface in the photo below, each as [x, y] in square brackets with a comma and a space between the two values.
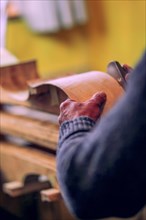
[42, 132]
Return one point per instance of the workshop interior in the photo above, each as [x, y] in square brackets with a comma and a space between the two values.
[50, 51]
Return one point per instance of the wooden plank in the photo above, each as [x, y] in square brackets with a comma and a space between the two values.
[50, 195]
[15, 188]
[41, 132]
[18, 161]
[5, 98]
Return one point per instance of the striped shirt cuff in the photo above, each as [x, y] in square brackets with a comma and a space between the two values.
[80, 124]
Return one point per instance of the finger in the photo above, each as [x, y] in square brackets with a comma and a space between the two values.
[99, 98]
[66, 103]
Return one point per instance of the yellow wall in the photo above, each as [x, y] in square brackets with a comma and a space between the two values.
[116, 30]
[124, 35]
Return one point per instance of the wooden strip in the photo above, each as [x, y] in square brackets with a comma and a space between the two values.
[18, 161]
[41, 132]
[16, 188]
[50, 195]
[6, 99]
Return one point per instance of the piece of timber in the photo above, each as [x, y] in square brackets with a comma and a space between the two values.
[41, 132]
[48, 94]
[15, 188]
[17, 162]
[5, 98]
[49, 195]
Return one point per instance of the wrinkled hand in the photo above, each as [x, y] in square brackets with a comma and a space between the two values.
[92, 108]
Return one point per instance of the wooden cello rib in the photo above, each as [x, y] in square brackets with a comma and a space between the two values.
[22, 83]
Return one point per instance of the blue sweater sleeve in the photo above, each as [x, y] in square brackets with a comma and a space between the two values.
[101, 167]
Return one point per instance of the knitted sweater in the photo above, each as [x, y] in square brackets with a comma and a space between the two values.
[101, 166]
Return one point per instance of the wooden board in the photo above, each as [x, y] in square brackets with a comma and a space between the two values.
[19, 161]
[5, 98]
[42, 132]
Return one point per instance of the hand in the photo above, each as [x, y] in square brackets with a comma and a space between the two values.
[92, 108]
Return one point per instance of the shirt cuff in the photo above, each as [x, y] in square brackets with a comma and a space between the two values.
[80, 124]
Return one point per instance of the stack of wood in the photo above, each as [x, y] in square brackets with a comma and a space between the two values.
[29, 187]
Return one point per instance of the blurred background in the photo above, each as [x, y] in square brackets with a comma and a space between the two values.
[71, 36]
[64, 37]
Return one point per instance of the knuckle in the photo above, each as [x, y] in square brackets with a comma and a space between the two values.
[64, 104]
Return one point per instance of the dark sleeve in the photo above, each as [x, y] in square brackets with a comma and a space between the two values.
[101, 168]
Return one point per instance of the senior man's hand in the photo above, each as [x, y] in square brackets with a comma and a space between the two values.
[92, 108]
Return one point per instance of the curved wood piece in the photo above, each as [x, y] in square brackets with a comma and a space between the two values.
[79, 87]
[48, 94]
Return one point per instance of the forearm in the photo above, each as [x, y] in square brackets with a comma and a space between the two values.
[100, 167]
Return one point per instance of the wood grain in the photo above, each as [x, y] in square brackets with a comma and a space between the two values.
[41, 132]
[15, 77]
[5, 98]
[20, 161]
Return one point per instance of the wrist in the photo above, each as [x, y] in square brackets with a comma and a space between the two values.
[80, 124]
